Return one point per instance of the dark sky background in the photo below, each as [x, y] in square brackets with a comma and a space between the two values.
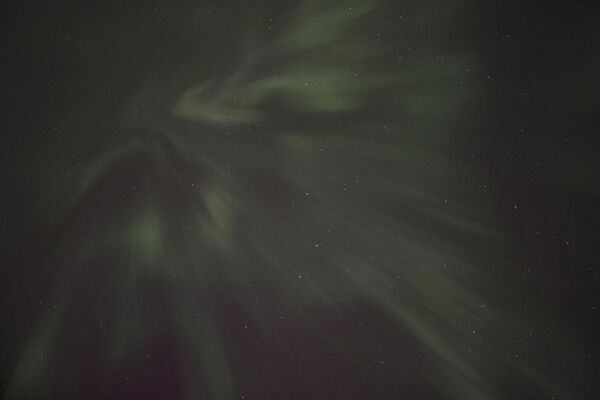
[300, 200]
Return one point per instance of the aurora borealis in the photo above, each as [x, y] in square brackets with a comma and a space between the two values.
[299, 200]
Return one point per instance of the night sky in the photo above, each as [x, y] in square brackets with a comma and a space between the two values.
[300, 200]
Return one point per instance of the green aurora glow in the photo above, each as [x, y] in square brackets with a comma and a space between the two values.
[311, 163]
